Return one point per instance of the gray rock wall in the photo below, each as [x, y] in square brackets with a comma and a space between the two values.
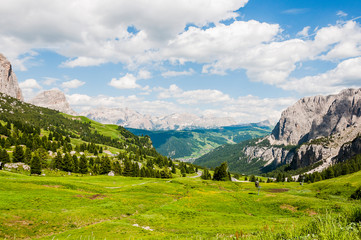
[8, 81]
[312, 117]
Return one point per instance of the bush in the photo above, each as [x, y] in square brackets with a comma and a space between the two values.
[355, 215]
[357, 194]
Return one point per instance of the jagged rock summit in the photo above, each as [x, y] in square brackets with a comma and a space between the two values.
[321, 127]
[318, 116]
[53, 99]
[8, 81]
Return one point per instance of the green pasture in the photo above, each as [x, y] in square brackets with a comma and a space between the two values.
[104, 207]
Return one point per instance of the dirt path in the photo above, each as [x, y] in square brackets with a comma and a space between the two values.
[199, 174]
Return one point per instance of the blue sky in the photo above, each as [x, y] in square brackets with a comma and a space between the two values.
[247, 60]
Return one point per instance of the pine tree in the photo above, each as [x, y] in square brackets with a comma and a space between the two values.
[165, 173]
[35, 166]
[127, 168]
[75, 164]
[329, 173]
[18, 155]
[187, 169]
[116, 168]
[206, 175]
[91, 161]
[105, 165]
[317, 177]
[143, 172]
[43, 156]
[67, 163]
[279, 177]
[28, 156]
[4, 157]
[221, 173]
[83, 164]
[150, 163]
[58, 161]
[174, 170]
[345, 169]
[252, 178]
[135, 170]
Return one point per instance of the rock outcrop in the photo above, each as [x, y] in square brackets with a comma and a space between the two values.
[271, 155]
[53, 99]
[350, 149]
[309, 154]
[8, 81]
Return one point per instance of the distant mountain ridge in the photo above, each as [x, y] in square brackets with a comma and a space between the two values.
[177, 121]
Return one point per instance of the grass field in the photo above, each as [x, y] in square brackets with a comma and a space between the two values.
[103, 207]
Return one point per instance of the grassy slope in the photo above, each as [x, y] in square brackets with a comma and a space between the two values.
[191, 144]
[105, 207]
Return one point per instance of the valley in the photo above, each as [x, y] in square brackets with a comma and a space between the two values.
[188, 145]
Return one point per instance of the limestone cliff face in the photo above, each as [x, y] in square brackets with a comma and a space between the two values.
[318, 116]
[8, 81]
[53, 99]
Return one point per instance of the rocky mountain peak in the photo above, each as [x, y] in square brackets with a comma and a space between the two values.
[8, 81]
[53, 99]
[318, 116]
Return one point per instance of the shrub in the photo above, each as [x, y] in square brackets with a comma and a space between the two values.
[357, 194]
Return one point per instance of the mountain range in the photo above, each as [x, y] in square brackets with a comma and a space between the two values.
[316, 130]
[178, 121]
[56, 99]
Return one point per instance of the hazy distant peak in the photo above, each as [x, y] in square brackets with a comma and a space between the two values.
[53, 99]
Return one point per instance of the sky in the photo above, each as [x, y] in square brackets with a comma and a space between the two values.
[244, 59]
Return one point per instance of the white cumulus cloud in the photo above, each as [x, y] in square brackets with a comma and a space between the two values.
[95, 32]
[129, 81]
[347, 74]
[30, 83]
[144, 74]
[30, 87]
[75, 83]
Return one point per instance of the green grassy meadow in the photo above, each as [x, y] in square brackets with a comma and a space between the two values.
[104, 207]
